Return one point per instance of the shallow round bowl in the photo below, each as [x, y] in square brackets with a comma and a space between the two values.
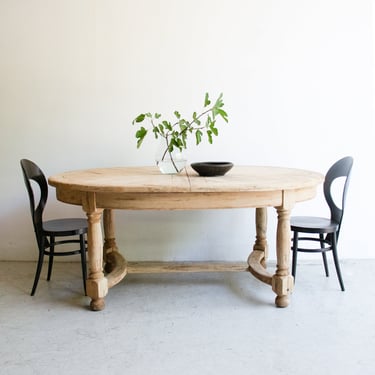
[212, 168]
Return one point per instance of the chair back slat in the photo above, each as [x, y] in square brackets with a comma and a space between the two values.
[31, 172]
[342, 168]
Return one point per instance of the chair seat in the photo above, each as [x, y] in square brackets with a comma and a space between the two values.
[312, 224]
[65, 227]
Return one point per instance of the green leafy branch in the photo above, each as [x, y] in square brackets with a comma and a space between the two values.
[176, 132]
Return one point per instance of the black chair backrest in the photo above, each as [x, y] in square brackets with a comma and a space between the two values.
[341, 168]
[31, 172]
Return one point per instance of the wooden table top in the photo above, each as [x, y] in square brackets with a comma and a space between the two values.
[150, 180]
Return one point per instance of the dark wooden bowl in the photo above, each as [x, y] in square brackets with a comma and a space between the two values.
[212, 168]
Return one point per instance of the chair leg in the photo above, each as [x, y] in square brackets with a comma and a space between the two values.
[50, 260]
[38, 269]
[336, 260]
[324, 255]
[83, 260]
[295, 251]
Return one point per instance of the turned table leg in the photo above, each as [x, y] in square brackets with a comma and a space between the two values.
[116, 266]
[257, 259]
[282, 281]
[96, 284]
[110, 245]
[261, 233]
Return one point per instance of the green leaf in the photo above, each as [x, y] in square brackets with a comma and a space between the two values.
[219, 101]
[167, 125]
[183, 139]
[157, 115]
[222, 113]
[214, 130]
[198, 136]
[140, 135]
[195, 119]
[183, 128]
[139, 118]
[170, 146]
[209, 135]
[156, 132]
[209, 121]
[206, 100]
[179, 143]
[177, 114]
[175, 143]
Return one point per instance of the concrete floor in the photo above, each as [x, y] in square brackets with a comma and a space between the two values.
[220, 323]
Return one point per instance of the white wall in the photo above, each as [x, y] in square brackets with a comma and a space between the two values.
[297, 78]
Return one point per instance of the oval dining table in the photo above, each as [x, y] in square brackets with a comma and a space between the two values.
[101, 190]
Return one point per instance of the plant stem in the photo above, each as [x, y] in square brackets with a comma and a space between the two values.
[192, 122]
[172, 160]
[170, 154]
[167, 149]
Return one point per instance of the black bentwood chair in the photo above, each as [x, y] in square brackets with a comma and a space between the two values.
[323, 230]
[47, 231]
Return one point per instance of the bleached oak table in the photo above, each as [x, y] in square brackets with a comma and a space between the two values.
[101, 190]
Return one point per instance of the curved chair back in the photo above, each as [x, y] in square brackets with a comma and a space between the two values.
[341, 168]
[31, 172]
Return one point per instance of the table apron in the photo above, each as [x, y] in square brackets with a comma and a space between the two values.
[185, 201]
